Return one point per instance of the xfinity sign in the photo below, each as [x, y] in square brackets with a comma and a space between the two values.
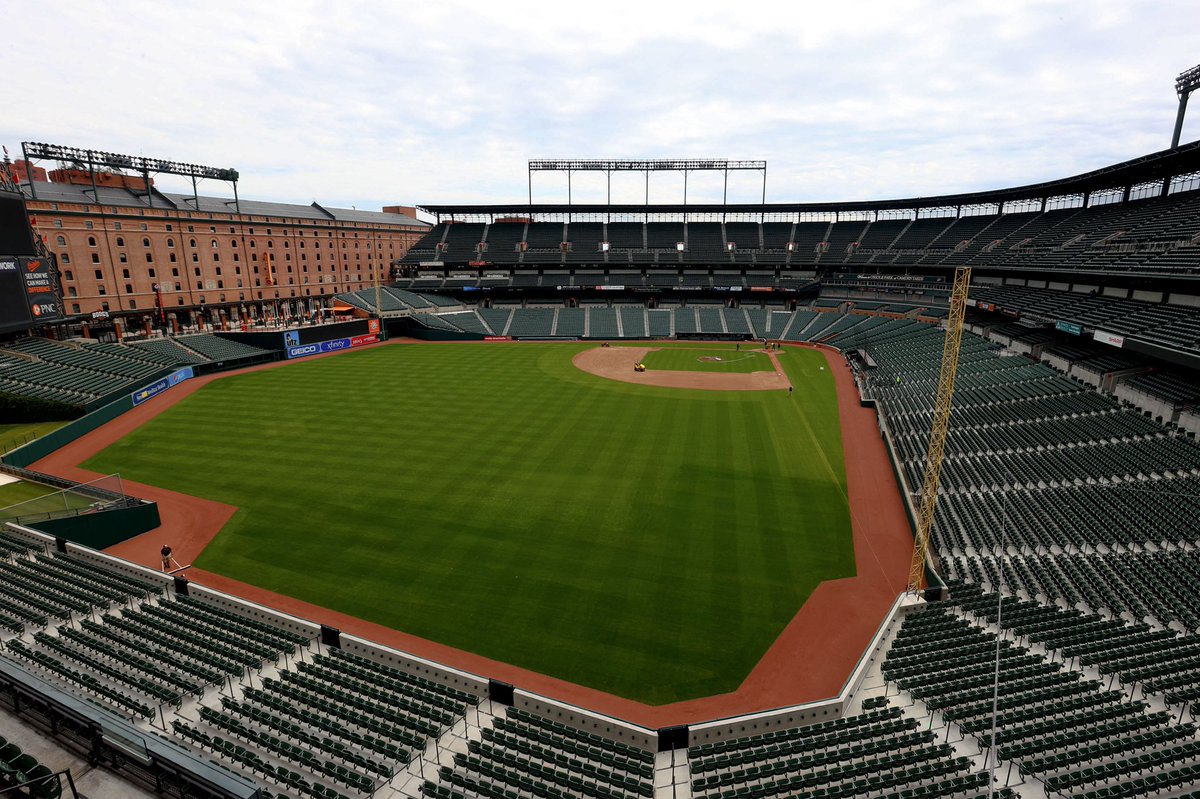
[333, 345]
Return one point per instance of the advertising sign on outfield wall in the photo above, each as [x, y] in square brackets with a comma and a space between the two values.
[1111, 339]
[333, 345]
[159, 386]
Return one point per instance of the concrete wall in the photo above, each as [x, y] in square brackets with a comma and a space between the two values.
[812, 712]
[597, 723]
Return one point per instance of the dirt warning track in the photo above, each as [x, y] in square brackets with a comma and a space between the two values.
[809, 661]
[616, 363]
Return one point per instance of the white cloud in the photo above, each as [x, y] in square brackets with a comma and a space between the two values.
[444, 102]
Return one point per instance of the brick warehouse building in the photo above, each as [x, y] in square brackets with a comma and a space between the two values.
[114, 244]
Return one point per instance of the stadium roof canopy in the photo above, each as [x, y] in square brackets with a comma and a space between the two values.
[174, 201]
[1160, 166]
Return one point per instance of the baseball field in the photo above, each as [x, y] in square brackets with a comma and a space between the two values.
[650, 542]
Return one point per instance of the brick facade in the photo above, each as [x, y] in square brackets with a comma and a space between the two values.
[110, 256]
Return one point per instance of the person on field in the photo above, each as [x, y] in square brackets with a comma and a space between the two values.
[166, 557]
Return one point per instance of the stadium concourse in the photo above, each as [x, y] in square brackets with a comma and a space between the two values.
[1064, 662]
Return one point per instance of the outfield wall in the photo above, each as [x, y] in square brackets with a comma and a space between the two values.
[56, 439]
[114, 405]
[477, 685]
[589, 721]
[597, 723]
[104, 528]
[580, 718]
[296, 342]
[430, 670]
[811, 712]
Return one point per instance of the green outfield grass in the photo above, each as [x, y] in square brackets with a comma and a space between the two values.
[650, 542]
[16, 435]
[697, 359]
[24, 500]
[21, 491]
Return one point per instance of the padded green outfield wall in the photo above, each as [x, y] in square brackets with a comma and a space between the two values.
[104, 529]
[36, 450]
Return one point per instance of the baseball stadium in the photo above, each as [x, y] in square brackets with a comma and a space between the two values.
[890, 498]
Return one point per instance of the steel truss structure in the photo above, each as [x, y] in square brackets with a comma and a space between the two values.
[91, 159]
[685, 166]
[1187, 82]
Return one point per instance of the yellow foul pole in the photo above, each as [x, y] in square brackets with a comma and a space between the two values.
[941, 425]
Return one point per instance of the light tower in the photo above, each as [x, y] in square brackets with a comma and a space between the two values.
[1187, 82]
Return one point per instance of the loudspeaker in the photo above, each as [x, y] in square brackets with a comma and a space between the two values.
[181, 586]
[60, 545]
[331, 637]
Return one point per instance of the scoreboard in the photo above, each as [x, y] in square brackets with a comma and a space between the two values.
[29, 293]
[16, 237]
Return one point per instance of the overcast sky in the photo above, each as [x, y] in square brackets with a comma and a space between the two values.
[369, 104]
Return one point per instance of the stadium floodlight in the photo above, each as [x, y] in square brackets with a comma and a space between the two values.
[90, 159]
[1187, 82]
[608, 166]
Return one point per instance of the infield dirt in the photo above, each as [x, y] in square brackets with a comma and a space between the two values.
[616, 363]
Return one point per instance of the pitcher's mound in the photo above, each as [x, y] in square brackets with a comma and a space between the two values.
[616, 363]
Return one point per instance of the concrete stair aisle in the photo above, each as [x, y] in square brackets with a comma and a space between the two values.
[786, 328]
[440, 752]
[810, 324]
[483, 322]
[672, 777]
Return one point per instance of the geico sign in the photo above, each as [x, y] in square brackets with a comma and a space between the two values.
[305, 350]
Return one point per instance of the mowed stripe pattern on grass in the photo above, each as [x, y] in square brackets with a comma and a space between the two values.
[644, 541]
